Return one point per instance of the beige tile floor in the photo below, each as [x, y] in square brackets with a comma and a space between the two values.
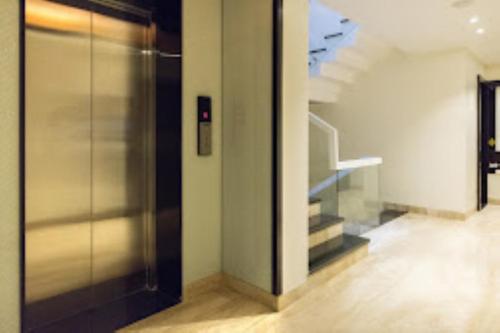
[422, 275]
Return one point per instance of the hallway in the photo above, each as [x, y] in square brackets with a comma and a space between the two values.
[422, 275]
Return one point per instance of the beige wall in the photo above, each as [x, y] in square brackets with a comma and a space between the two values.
[493, 72]
[201, 175]
[247, 143]
[419, 114]
[295, 143]
[9, 167]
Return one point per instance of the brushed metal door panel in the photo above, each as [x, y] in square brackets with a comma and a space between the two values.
[119, 149]
[89, 96]
[58, 157]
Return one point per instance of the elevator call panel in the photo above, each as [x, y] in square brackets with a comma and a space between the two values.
[204, 126]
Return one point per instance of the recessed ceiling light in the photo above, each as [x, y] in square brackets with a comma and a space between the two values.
[480, 31]
[474, 20]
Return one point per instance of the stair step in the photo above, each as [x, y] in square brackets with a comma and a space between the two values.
[388, 215]
[335, 249]
[371, 48]
[350, 57]
[338, 72]
[323, 221]
[323, 232]
[323, 90]
[314, 207]
[313, 200]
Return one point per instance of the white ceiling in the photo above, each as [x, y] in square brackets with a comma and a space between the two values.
[421, 26]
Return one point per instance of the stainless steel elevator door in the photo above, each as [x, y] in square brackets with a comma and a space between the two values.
[58, 158]
[88, 190]
[120, 101]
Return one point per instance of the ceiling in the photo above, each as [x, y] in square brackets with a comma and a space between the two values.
[421, 26]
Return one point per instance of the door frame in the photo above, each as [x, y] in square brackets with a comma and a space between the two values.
[486, 112]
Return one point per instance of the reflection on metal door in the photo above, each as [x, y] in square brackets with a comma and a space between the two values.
[88, 133]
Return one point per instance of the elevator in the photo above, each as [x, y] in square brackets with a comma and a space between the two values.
[102, 156]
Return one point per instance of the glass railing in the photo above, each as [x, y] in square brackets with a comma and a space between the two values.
[347, 189]
[359, 199]
[323, 185]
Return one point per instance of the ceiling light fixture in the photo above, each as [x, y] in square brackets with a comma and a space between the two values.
[474, 20]
[480, 31]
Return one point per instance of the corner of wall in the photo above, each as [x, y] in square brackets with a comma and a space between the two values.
[9, 168]
[295, 138]
[202, 185]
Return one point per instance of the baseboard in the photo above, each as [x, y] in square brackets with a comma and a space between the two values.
[222, 280]
[251, 291]
[276, 303]
[446, 214]
[202, 286]
[320, 278]
[493, 201]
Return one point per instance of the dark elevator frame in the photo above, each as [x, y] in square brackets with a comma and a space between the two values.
[276, 194]
[168, 17]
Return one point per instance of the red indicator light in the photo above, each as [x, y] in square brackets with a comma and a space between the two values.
[205, 115]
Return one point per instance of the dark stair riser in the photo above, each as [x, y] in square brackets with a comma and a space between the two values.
[328, 252]
[313, 201]
[323, 221]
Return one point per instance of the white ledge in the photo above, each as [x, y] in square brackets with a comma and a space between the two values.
[359, 163]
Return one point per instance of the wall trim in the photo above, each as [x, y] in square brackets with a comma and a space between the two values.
[274, 302]
[320, 278]
[446, 214]
[493, 201]
[220, 280]
[202, 286]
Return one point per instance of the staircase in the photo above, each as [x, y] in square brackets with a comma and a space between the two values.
[327, 242]
[338, 52]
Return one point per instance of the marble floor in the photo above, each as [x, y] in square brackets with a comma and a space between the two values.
[422, 275]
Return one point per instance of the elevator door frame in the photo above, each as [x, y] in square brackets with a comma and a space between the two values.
[162, 295]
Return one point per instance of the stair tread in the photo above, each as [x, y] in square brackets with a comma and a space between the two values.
[389, 215]
[325, 253]
[323, 221]
[314, 200]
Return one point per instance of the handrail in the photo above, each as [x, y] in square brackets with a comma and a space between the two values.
[333, 139]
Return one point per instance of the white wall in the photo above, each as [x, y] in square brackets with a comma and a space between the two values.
[493, 72]
[419, 114]
[9, 167]
[295, 147]
[201, 175]
[247, 141]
